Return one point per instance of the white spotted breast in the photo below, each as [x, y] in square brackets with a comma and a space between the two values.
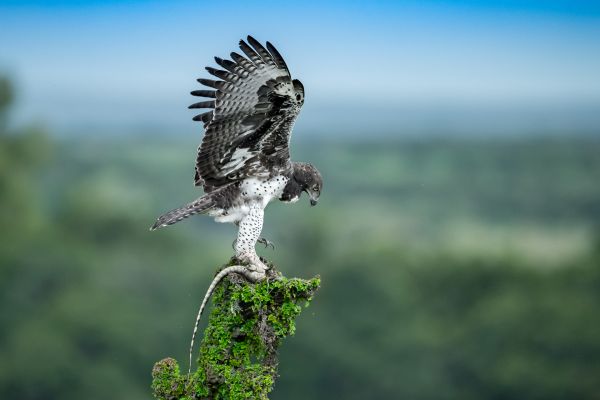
[255, 190]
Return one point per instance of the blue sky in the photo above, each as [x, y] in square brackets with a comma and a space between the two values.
[412, 65]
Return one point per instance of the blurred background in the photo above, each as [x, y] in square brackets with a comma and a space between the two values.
[458, 235]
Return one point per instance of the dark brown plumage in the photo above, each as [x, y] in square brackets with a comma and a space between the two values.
[247, 132]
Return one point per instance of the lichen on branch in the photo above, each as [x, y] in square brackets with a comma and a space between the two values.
[238, 353]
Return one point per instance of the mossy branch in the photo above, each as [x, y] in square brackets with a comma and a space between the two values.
[238, 353]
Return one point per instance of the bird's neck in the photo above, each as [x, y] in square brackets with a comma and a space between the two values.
[292, 190]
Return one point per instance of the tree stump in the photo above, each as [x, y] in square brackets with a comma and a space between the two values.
[238, 353]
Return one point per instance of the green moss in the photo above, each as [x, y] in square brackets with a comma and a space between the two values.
[238, 354]
[166, 379]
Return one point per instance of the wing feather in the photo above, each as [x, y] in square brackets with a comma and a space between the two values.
[277, 57]
[262, 52]
[204, 104]
[224, 75]
[204, 117]
[247, 131]
[208, 82]
[244, 63]
[251, 54]
[204, 93]
[228, 65]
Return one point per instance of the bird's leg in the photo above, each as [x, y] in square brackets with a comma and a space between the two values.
[248, 234]
[260, 240]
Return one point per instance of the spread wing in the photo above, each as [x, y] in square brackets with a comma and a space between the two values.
[253, 108]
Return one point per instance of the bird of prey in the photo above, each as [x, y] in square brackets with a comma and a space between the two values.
[243, 162]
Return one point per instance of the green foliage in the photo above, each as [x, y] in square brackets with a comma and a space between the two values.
[6, 98]
[167, 382]
[238, 354]
[441, 327]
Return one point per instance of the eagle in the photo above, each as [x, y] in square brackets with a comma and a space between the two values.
[243, 162]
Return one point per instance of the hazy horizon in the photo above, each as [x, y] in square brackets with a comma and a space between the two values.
[470, 67]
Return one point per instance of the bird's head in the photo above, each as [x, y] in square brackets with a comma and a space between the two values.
[310, 181]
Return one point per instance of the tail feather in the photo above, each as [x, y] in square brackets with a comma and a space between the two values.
[201, 205]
